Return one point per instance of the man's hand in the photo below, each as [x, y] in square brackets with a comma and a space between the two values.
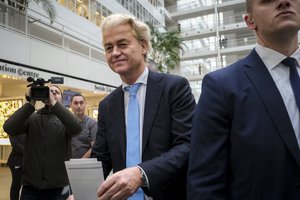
[28, 97]
[51, 101]
[71, 197]
[120, 185]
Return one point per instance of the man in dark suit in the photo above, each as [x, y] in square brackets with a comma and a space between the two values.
[246, 128]
[166, 106]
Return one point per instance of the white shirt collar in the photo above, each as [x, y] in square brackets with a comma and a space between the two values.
[273, 58]
[142, 78]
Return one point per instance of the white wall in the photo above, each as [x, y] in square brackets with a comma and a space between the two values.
[22, 49]
[66, 18]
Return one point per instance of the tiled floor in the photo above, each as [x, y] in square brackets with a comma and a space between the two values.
[5, 181]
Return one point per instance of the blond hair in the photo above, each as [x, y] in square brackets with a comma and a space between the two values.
[139, 29]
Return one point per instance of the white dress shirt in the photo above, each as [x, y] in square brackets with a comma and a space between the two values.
[141, 97]
[281, 76]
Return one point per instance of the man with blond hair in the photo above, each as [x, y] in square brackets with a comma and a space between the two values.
[144, 125]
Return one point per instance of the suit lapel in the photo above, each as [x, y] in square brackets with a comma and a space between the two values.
[153, 96]
[273, 102]
[118, 121]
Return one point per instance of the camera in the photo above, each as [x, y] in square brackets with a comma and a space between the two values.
[38, 90]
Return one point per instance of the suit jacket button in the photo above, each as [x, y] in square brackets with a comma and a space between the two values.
[298, 187]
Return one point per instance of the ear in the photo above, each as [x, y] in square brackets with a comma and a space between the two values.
[250, 22]
[144, 47]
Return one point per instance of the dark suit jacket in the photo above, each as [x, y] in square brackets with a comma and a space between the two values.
[243, 143]
[16, 156]
[169, 107]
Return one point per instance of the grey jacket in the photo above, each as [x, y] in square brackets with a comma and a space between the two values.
[47, 145]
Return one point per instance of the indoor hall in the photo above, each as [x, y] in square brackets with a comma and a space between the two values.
[12, 90]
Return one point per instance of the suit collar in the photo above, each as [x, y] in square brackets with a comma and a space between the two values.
[270, 58]
[141, 79]
[270, 96]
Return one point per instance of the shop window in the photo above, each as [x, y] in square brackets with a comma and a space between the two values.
[7, 108]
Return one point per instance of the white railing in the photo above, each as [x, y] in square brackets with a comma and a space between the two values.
[230, 43]
[231, 19]
[56, 34]
[192, 5]
[186, 6]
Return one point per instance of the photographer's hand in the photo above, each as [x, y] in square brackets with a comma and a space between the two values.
[51, 101]
[29, 99]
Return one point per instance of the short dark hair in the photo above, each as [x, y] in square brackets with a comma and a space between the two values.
[77, 95]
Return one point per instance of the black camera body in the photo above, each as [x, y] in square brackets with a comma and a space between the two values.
[38, 90]
[39, 93]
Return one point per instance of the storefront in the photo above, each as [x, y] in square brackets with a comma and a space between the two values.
[13, 86]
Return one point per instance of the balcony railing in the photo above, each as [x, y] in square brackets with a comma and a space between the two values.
[193, 5]
[15, 18]
[229, 43]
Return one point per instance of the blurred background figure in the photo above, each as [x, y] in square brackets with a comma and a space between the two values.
[15, 163]
[82, 143]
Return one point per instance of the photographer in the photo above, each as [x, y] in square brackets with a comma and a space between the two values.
[48, 144]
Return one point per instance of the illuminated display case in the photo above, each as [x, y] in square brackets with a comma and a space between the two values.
[93, 112]
[7, 108]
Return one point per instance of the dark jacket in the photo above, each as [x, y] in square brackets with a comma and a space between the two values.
[47, 145]
[16, 156]
[243, 142]
[169, 107]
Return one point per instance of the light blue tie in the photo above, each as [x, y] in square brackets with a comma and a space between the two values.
[133, 134]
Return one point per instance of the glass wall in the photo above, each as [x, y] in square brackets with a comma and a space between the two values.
[95, 12]
[92, 10]
[138, 10]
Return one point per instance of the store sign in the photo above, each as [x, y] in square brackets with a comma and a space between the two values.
[23, 72]
[17, 71]
[103, 88]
